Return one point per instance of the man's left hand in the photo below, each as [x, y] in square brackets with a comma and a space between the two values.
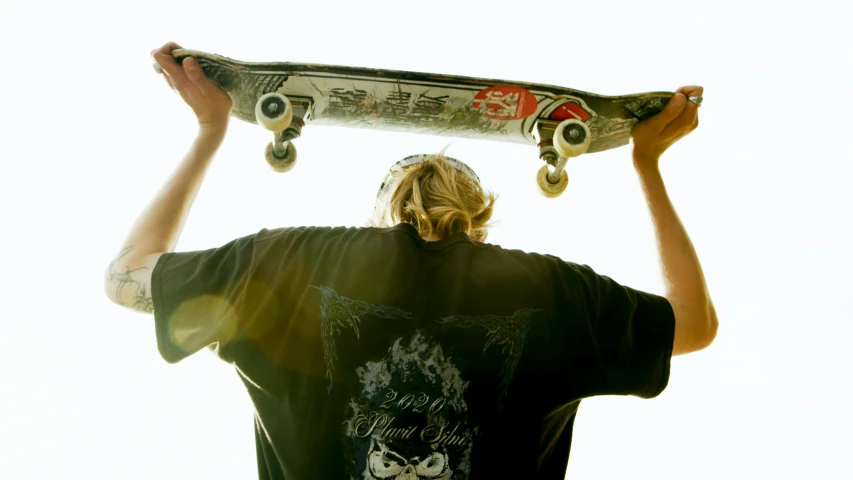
[211, 105]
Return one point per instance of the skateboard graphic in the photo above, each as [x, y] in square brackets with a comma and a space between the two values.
[282, 97]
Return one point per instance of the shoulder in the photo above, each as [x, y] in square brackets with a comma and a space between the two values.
[304, 232]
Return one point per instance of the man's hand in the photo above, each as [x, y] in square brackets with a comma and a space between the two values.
[212, 106]
[654, 135]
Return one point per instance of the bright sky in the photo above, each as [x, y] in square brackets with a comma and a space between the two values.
[89, 133]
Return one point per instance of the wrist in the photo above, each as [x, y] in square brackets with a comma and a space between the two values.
[212, 131]
[645, 162]
[218, 124]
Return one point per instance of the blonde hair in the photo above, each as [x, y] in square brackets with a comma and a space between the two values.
[435, 198]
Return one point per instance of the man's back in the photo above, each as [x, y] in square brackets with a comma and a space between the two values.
[371, 353]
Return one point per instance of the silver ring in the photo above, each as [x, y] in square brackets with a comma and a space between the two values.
[696, 100]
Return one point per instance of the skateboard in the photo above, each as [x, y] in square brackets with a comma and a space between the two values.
[563, 123]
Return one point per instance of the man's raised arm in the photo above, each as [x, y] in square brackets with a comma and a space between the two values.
[127, 280]
[695, 317]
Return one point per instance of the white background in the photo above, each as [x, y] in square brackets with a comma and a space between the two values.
[89, 133]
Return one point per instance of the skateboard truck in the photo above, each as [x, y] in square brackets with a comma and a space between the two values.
[275, 112]
[563, 140]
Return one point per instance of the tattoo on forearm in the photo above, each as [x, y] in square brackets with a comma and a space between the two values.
[122, 279]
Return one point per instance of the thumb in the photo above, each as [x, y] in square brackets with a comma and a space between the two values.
[671, 111]
[193, 69]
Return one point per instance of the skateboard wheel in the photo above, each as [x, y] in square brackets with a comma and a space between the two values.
[548, 189]
[284, 164]
[274, 112]
[571, 138]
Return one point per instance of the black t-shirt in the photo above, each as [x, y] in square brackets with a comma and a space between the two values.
[373, 354]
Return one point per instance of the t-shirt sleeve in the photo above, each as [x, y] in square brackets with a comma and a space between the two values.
[624, 335]
[197, 297]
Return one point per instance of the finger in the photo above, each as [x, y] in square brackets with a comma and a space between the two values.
[163, 57]
[691, 91]
[168, 48]
[194, 72]
[683, 124]
[670, 112]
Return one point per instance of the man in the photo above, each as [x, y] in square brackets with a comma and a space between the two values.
[411, 349]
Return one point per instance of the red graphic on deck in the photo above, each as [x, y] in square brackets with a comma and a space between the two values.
[505, 103]
[570, 110]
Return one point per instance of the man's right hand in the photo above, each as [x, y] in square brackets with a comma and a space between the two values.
[654, 135]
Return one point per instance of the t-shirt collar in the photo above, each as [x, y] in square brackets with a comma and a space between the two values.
[445, 242]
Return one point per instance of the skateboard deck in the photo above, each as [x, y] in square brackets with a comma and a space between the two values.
[424, 103]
